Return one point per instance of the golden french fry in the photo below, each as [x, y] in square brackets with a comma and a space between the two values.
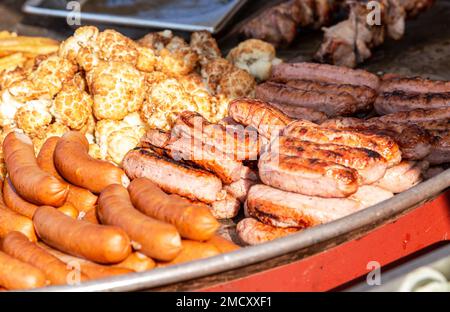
[36, 45]
[12, 61]
[7, 34]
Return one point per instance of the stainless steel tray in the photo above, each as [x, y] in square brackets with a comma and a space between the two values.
[188, 15]
[351, 226]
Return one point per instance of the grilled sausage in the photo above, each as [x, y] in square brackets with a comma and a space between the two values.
[240, 188]
[226, 208]
[253, 232]
[285, 209]
[403, 176]
[137, 262]
[440, 149]
[192, 250]
[419, 117]
[99, 243]
[12, 221]
[267, 120]
[156, 239]
[299, 112]
[192, 221]
[224, 245]
[332, 104]
[82, 199]
[14, 202]
[383, 145]
[31, 183]
[173, 177]
[325, 73]
[194, 151]
[18, 246]
[312, 177]
[365, 96]
[398, 101]
[75, 165]
[240, 144]
[414, 142]
[18, 275]
[414, 84]
[369, 164]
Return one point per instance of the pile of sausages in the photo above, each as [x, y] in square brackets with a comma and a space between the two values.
[66, 217]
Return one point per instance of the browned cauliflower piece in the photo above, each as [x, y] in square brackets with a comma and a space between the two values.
[113, 46]
[72, 107]
[7, 78]
[214, 71]
[33, 116]
[156, 40]
[205, 46]
[83, 37]
[117, 88]
[54, 129]
[51, 74]
[8, 108]
[147, 60]
[255, 56]
[237, 83]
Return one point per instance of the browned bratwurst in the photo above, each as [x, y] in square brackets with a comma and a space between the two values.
[154, 238]
[18, 275]
[18, 246]
[383, 145]
[414, 84]
[414, 142]
[173, 177]
[99, 243]
[325, 73]
[299, 112]
[332, 104]
[398, 101]
[74, 163]
[238, 143]
[253, 232]
[314, 177]
[14, 202]
[194, 151]
[365, 96]
[31, 183]
[81, 198]
[193, 221]
[370, 165]
[267, 120]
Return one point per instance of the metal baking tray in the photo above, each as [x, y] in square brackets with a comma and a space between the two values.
[350, 227]
[188, 15]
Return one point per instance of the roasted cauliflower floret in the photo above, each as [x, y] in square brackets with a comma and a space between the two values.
[94, 151]
[51, 74]
[8, 109]
[83, 37]
[205, 46]
[72, 107]
[255, 56]
[116, 138]
[7, 78]
[237, 83]
[54, 129]
[156, 40]
[117, 88]
[25, 90]
[163, 100]
[214, 71]
[146, 60]
[33, 116]
[113, 46]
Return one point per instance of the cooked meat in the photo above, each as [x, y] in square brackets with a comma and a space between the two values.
[430, 119]
[267, 120]
[173, 177]
[370, 165]
[369, 195]
[398, 101]
[383, 145]
[332, 104]
[253, 232]
[226, 208]
[299, 112]
[285, 209]
[242, 145]
[365, 96]
[414, 85]
[414, 142]
[194, 151]
[325, 73]
[240, 188]
[440, 149]
[403, 176]
[313, 177]
[432, 172]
